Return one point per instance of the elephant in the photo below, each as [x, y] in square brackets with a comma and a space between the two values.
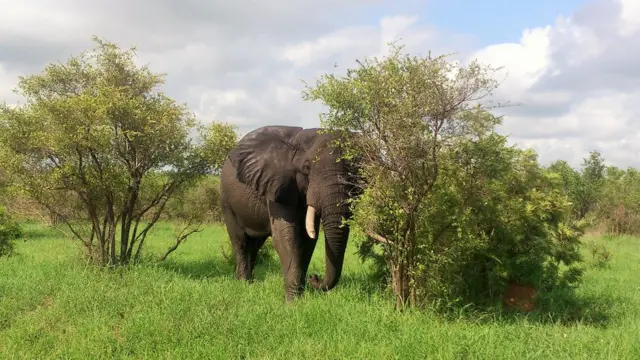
[281, 181]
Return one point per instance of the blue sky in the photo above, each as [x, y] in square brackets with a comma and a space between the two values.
[496, 21]
[488, 21]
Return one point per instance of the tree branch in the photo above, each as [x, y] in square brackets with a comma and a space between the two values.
[378, 238]
[181, 238]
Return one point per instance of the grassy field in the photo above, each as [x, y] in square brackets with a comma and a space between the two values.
[52, 306]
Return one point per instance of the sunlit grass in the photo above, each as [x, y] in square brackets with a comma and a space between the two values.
[54, 306]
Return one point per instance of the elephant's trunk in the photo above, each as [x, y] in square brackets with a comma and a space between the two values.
[330, 197]
[336, 236]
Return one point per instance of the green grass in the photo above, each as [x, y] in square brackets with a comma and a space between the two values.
[53, 306]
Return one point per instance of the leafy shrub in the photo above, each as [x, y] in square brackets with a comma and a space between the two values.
[618, 207]
[600, 255]
[494, 216]
[455, 212]
[9, 231]
[201, 200]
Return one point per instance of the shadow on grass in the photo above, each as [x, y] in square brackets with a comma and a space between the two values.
[200, 269]
[559, 307]
[363, 284]
[215, 267]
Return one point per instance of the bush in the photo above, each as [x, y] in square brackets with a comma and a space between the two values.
[455, 212]
[493, 217]
[201, 200]
[600, 255]
[584, 187]
[9, 231]
[618, 208]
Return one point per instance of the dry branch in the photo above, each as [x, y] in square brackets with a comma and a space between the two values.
[378, 238]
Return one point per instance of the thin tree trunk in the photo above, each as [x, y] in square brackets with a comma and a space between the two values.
[124, 237]
[112, 233]
[411, 258]
[399, 283]
[133, 238]
[402, 266]
[103, 242]
[127, 219]
[112, 244]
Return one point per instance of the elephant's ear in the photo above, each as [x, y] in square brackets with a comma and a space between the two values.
[268, 162]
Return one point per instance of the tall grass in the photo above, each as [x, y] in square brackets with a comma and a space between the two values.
[52, 306]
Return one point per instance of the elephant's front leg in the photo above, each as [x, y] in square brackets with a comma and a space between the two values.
[288, 245]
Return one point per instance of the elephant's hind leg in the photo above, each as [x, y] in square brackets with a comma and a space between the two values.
[244, 248]
[251, 249]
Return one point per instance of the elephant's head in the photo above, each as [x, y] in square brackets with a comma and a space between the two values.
[286, 163]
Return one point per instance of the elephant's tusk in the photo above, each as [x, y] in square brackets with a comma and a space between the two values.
[310, 222]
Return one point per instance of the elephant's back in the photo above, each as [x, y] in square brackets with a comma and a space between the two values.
[285, 132]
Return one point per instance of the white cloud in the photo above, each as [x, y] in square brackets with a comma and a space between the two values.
[325, 47]
[6, 91]
[286, 94]
[358, 41]
[576, 79]
[14, 14]
[522, 63]
[629, 17]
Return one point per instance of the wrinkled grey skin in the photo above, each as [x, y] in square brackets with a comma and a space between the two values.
[267, 183]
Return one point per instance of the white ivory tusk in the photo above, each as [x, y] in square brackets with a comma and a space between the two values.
[310, 222]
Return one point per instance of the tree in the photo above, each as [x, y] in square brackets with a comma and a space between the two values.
[406, 111]
[4, 185]
[618, 207]
[572, 185]
[494, 217]
[97, 127]
[456, 213]
[584, 187]
[9, 231]
[593, 173]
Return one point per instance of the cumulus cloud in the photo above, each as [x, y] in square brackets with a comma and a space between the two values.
[575, 80]
[238, 63]
[629, 17]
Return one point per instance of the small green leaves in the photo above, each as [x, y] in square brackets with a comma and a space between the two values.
[456, 211]
[95, 127]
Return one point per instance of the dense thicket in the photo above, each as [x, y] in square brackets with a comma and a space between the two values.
[9, 231]
[605, 198]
